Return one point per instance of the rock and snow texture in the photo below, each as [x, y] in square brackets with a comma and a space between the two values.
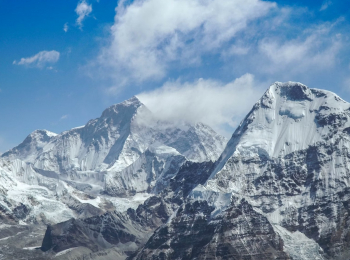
[82, 172]
[290, 159]
[288, 118]
[125, 232]
[269, 137]
[280, 189]
[284, 176]
[151, 173]
[28, 196]
[193, 234]
[31, 146]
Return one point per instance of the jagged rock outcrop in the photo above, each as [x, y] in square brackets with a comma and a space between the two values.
[238, 232]
[123, 231]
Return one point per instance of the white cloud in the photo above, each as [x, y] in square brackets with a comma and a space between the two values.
[65, 27]
[325, 5]
[315, 49]
[148, 35]
[209, 101]
[158, 39]
[83, 9]
[40, 59]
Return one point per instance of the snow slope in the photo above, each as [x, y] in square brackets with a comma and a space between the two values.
[289, 117]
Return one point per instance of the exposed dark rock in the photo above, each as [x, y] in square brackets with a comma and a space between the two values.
[96, 233]
[189, 176]
[238, 233]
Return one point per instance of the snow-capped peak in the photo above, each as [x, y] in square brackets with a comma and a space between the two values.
[289, 117]
[33, 143]
[48, 133]
[41, 134]
[128, 106]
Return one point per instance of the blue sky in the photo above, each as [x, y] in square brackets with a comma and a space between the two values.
[63, 62]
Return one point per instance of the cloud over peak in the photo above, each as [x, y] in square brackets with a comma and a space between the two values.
[220, 105]
[40, 59]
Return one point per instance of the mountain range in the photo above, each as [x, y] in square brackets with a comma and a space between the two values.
[130, 186]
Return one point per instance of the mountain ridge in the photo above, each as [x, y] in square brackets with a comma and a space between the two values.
[77, 169]
[279, 190]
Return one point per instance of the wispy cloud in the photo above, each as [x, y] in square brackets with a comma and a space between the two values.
[83, 9]
[65, 27]
[313, 50]
[325, 5]
[310, 53]
[217, 104]
[40, 59]
[63, 117]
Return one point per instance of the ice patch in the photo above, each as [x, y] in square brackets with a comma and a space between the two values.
[298, 246]
[32, 247]
[122, 204]
[65, 251]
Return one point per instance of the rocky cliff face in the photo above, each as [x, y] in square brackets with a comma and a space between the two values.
[125, 232]
[238, 232]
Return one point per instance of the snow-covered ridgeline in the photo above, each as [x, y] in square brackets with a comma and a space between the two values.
[125, 152]
[115, 140]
